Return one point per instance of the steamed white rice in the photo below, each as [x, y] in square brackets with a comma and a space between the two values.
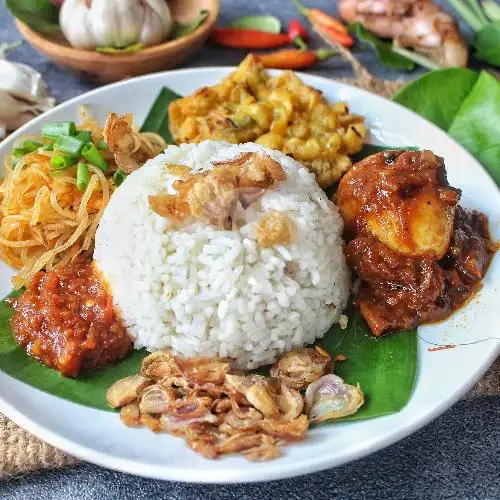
[208, 292]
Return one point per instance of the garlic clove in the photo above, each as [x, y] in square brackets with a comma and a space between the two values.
[75, 24]
[157, 23]
[22, 81]
[116, 23]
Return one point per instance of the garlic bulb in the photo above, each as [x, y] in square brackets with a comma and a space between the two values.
[23, 94]
[88, 24]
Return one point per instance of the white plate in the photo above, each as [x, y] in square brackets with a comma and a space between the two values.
[443, 376]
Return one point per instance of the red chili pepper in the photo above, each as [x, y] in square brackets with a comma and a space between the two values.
[247, 39]
[334, 36]
[319, 17]
[293, 58]
[297, 34]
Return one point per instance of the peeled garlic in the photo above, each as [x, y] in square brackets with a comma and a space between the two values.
[88, 24]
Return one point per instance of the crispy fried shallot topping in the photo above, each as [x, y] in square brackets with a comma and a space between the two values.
[128, 152]
[220, 411]
[301, 367]
[221, 195]
[275, 228]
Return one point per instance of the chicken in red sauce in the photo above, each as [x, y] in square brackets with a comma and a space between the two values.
[418, 254]
[65, 319]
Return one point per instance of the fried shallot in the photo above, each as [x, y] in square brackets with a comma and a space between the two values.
[220, 411]
[219, 196]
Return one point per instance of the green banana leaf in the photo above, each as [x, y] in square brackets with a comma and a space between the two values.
[384, 368]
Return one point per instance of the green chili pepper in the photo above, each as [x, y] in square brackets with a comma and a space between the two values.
[85, 136]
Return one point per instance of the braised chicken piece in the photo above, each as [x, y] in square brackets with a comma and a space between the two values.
[421, 25]
[419, 255]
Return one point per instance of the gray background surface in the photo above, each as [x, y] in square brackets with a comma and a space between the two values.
[456, 456]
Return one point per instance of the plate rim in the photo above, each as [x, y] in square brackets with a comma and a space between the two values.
[320, 463]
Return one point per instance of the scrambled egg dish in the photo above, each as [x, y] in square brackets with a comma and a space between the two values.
[278, 112]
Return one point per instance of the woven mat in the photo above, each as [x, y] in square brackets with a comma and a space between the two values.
[21, 452]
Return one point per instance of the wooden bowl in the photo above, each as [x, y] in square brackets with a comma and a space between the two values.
[109, 68]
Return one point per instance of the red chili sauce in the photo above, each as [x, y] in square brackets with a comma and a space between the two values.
[65, 319]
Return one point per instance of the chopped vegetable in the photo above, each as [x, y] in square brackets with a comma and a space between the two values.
[82, 176]
[55, 129]
[119, 176]
[157, 119]
[48, 147]
[298, 34]
[268, 24]
[382, 48]
[101, 144]
[294, 58]
[92, 154]
[70, 145]
[84, 135]
[181, 29]
[247, 39]
[29, 147]
[61, 162]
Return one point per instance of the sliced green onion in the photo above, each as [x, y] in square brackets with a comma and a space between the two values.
[82, 176]
[85, 136]
[18, 152]
[60, 162]
[102, 144]
[48, 147]
[31, 146]
[55, 129]
[119, 176]
[91, 153]
[69, 145]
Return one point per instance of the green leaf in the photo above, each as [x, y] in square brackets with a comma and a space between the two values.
[88, 391]
[487, 44]
[40, 15]
[477, 124]
[383, 49]
[113, 51]
[157, 119]
[183, 29]
[438, 95]
[268, 24]
[385, 367]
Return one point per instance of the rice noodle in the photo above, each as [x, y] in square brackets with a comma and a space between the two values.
[45, 220]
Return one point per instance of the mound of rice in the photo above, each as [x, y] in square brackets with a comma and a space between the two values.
[209, 292]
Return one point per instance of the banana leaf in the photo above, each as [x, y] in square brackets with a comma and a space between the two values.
[385, 368]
